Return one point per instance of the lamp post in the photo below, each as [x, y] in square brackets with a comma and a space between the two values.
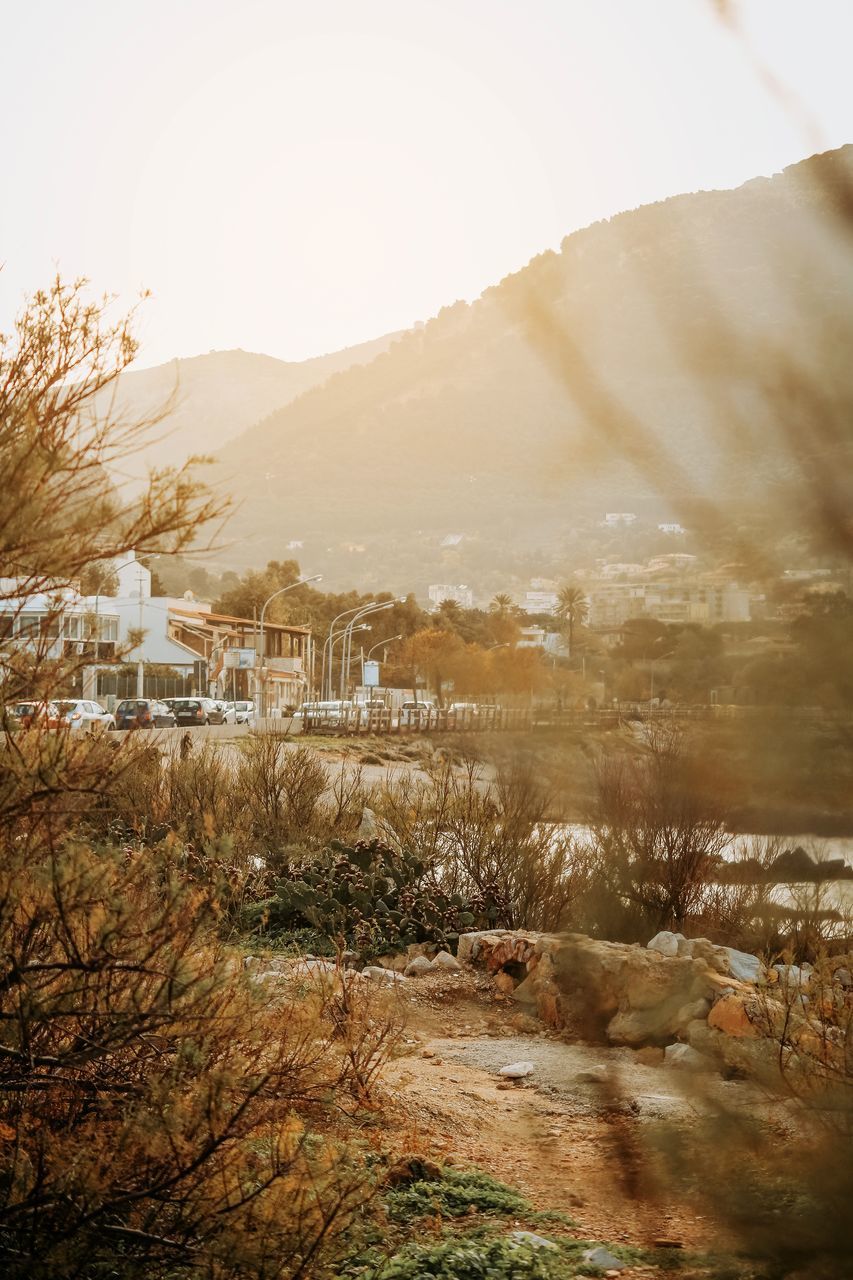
[327, 646]
[300, 582]
[367, 611]
[326, 685]
[379, 644]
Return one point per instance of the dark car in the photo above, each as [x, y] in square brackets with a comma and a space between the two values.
[144, 713]
[195, 711]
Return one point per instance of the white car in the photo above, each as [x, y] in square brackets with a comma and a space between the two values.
[85, 715]
[229, 711]
[244, 711]
[417, 712]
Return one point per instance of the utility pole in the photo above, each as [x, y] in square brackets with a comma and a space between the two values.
[140, 666]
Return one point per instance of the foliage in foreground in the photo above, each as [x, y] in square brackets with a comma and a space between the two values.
[161, 1114]
[374, 897]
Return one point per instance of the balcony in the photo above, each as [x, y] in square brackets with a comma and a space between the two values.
[285, 666]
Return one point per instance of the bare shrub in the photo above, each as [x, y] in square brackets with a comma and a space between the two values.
[490, 843]
[657, 836]
[153, 1100]
[281, 787]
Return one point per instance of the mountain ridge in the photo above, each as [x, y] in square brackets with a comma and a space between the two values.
[627, 367]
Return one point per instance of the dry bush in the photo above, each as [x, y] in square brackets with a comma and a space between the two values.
[154, 1101]
[490, 844]
[657, 837]
[281, 787]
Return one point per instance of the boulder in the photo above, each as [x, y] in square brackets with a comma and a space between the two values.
[471, 944]
[685, 1057]
[444, 960]
[666, 943]
[532, 1239]
[376, 973]
[517, 1070]
[417, 967]
[368, 828]
[603, 1258]
[731, 1015]
[742, 965]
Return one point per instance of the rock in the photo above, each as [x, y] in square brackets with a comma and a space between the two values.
[444, 960]
[471, 944]
[531, 1238]
[730, 1015]
[649, 1056]
[603, 1258]
[666, 943]
[377, 974]
[504, 982]
[412, 1169]
[415, 968]
[592, 1075]
[368, 827]
[743, 966]
[688, 1012]
[686, 1058]
[792, 975]
[517, 1070]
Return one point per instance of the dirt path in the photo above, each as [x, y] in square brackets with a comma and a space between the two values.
[568, 1143]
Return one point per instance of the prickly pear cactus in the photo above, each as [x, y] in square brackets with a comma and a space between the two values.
[374, 898]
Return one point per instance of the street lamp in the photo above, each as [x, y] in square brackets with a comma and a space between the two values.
[346, 655]
[300, 582]
[379, 644]
[327, 648]
[330, 643]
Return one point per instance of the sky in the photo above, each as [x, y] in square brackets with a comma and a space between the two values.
[295, 177]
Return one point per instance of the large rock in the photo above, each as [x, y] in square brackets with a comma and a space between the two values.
[731, 1015]
[418, 967]
[743, 966]
[666, 943]
[444, 960]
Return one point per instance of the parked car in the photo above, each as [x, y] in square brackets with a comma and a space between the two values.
[416, 712]
[196, 711]
[323, 715]
[244, 711]
[32, 714]
[228, 711]
[81, 714]
[465, 709]
[144, 713]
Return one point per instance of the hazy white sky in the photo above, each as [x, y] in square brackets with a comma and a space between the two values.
[293, 177]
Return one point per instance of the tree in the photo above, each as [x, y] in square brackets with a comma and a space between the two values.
[154, 1100]
[60, 515]
[501, 604]
[573, 608]
[431, 655]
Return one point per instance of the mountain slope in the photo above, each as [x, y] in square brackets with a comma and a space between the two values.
[212, 398]
[688, 356]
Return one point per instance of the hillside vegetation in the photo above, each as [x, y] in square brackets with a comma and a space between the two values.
[209, 399]
[656, 361]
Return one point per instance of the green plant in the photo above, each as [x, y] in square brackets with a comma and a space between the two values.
[476, 1257]
[456, 1193]
[378, 898]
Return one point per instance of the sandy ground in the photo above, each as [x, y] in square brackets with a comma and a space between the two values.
[568, 1144]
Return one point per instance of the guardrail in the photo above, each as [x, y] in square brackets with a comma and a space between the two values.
[353, 721]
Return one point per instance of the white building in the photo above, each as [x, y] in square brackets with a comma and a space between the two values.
[612, 603]
[177, 632]
[619, 519]
[438, 592]
[540, 602]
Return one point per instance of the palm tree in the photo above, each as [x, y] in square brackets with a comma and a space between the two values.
[573, 607]
[501, 604]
